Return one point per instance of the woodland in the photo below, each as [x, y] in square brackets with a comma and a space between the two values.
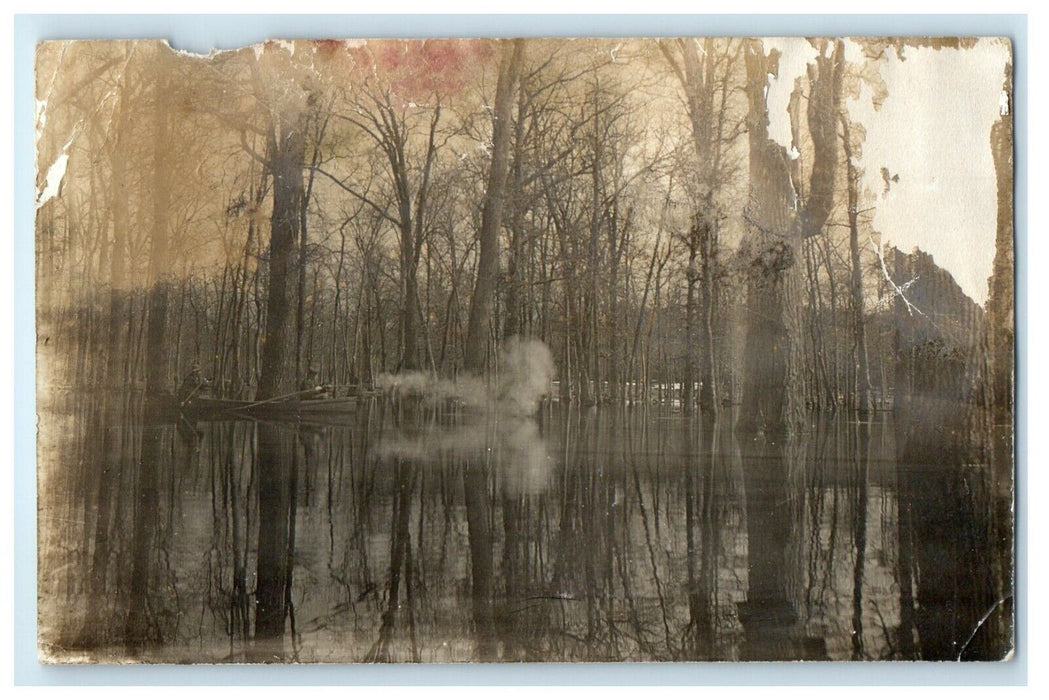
[388, 206]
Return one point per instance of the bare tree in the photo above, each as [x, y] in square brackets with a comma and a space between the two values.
[483, 300]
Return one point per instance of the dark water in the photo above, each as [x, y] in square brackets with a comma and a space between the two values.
[580, 535]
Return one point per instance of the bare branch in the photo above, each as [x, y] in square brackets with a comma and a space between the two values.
[381, 211]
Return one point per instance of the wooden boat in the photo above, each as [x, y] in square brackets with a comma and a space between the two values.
[295, 408]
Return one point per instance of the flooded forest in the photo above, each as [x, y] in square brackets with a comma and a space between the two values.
[518, 350]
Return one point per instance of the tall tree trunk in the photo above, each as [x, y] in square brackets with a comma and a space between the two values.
[515, 262]
[861, 361]
[491, 216]
[773, 388]
[691, 277]
[301, 362]
[823, 111]
[113, 403]
[769, 257]
[118, 256]
[153, 435]
[697, 75]
[1000, 303]
[708, 390]
[997, 414]
[412, 228]
[410, 359]
[286, 158]
[160, 258]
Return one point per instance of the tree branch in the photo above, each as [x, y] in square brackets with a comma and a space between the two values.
[381, 211]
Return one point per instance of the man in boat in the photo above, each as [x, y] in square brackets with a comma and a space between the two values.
[312, 382]
[194, 384]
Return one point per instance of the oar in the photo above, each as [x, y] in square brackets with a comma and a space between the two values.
[190, 394]
[285, 397]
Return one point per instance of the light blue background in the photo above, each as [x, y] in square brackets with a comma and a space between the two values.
[202, 33]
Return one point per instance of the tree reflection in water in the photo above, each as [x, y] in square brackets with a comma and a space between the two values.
[595, 534]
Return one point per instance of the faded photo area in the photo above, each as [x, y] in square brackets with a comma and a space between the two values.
[525, 350]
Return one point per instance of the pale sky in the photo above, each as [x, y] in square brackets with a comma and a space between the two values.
[933, 131]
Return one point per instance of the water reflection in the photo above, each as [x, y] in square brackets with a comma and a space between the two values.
[424, 536]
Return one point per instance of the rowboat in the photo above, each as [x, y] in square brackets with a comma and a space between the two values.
[204, 408]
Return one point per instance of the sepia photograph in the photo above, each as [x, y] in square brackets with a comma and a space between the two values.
[525, 350]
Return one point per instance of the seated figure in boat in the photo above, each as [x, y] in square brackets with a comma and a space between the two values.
[312, 383]
[194, 385]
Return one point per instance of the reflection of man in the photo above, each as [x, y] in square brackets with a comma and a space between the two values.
[194, 384]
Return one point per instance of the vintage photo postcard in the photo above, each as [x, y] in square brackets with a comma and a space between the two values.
[526, 350]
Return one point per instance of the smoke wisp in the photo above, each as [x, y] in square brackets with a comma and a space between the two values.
[507, 435]
[523, 375]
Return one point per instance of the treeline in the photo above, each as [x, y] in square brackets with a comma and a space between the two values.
[381, 206]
